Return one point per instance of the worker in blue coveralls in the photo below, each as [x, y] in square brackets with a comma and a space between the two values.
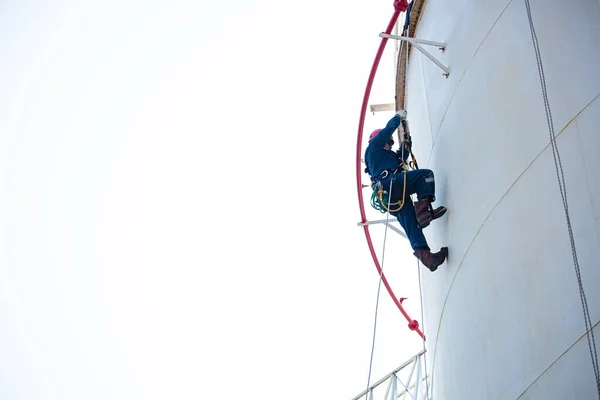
[386, 168]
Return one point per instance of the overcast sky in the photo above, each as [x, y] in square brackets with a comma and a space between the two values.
[177, 201]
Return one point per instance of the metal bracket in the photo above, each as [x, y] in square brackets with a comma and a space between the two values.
[385, 222]
[417, 45]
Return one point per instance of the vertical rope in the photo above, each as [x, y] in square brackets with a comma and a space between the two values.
[377, 301]
[563, 192]
[423, 328]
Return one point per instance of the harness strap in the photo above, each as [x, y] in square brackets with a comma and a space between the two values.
[380, 197]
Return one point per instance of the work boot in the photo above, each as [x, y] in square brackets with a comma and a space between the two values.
[429, 259]
[426, 213]
[438, 212]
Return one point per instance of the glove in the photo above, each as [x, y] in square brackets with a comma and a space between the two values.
[402, 114]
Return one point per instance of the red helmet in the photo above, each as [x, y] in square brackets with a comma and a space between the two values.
[375, 132]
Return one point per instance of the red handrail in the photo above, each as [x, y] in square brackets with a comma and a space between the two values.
[399, 6]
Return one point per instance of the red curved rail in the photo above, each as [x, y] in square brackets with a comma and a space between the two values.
[399, 6]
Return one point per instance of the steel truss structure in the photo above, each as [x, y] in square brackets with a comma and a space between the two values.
[408, 381]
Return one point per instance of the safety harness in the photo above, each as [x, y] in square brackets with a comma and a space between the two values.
[380, 196]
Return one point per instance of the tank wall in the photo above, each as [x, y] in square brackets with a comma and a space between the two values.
[504, 318]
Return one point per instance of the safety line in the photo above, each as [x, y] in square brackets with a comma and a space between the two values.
[406, 48]
[407, 44]
[423, 327]
[563, 192]
[377, 301]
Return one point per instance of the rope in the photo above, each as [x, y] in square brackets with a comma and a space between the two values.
[377, 301]
[423, 321]
[563, 192]
[413, 164]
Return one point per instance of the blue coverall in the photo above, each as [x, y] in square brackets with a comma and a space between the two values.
[420, 181]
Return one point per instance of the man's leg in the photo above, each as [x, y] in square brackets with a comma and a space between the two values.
[406, 215]
[422, 182]
[407, 218]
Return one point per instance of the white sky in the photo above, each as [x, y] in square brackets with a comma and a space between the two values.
[178, 206]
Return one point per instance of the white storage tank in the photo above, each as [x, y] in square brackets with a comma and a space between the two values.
[504, 316]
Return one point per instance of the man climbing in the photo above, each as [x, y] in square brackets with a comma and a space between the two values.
[386, 170]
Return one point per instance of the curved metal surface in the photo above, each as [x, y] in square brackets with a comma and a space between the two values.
[504, 316]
